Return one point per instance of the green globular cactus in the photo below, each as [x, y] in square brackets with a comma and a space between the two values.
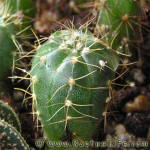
[10, 29]
[10, 138]
[27, 7]
[70, 74]
[118, 23]
[8, 114]
[7, 49]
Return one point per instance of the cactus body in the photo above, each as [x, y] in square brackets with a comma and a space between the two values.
[10, 138]
[118, 19]
[10, 25]
[7, 47]
[69, 83]
[26, 6]
[8, 114]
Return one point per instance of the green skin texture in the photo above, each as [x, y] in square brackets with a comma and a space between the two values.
[111, 14]
[7, 47]
[8, 114]
[50, 75]
[27, 6]
[10, 138]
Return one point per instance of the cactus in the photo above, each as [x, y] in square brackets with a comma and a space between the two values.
[7, 47]
[27, 7]
[10, 29]
[70, 74]
[10, 138]
[8, 114]
[118, 22]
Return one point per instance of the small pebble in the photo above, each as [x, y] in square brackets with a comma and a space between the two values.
[140, 104]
